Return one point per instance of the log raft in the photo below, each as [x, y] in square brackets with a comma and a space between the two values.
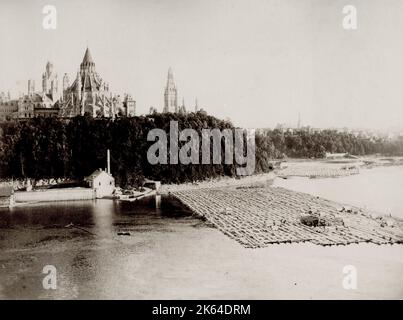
[259, 216]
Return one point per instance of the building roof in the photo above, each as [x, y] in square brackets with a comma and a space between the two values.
[38, 98]
[87, 60]
[88, 78]
[96, 174]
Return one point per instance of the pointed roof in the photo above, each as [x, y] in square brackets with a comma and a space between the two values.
[96, 174]
[170, 73]
[87, 60]
[170, 80]
[49, 68]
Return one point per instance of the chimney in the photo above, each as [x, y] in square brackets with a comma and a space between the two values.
[108, 160]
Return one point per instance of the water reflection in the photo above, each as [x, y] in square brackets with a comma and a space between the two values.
[102, 213]
[84, 241]
[47, 214]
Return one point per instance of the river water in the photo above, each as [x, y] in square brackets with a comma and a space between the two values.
[379, 189]
[108, 250]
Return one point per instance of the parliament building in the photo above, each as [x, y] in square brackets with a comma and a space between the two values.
[89, 94]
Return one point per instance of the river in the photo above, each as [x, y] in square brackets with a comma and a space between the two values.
[108, 250]
[379, 189]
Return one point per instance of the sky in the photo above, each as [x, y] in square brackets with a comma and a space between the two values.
[256, 62]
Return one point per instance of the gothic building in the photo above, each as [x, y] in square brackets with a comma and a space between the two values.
[89, 94]
[4, 97]
[43, 103]
[171, 94]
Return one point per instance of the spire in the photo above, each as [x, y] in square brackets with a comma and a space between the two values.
[87, 60]
[65, 81]
[170, 74]
[196, 105]
[49, 70]
[170, 94]
[31, 87]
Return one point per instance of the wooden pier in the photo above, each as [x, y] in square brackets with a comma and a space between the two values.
[257, 217]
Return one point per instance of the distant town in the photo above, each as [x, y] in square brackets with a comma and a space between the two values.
[387, 134]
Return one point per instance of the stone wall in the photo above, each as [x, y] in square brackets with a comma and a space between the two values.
[55, 195]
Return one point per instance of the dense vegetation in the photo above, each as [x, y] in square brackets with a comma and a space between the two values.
[306, 144]
[51, 147]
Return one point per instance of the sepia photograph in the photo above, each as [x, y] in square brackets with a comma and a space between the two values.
[201, 150]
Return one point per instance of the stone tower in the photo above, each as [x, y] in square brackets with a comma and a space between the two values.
[171, 94]
[66, 84]
[31, 87]
[130, 105]
[78, 94]
[50, 83]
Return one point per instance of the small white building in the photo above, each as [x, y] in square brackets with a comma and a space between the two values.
[102, 183]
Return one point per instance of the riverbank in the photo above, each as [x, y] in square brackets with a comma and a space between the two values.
[311, 168]
[333, 168]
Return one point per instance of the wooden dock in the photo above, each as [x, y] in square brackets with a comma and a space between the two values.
[257, 217]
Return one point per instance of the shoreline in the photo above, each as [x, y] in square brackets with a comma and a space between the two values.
[309, 168]
[299, 167]
[303, 167]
